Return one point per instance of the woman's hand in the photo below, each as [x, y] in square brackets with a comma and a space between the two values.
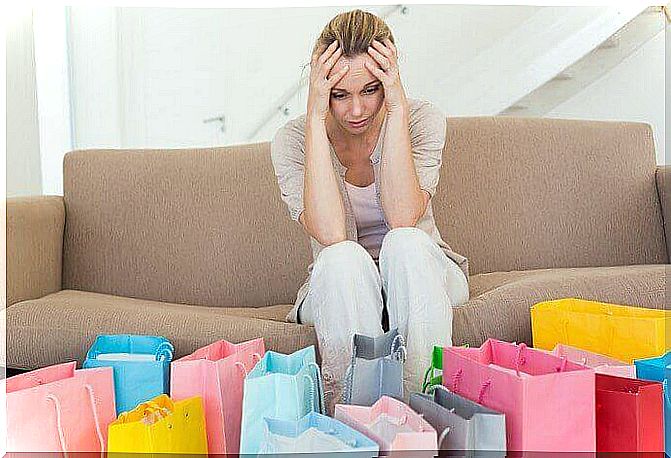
[321, 84]
[387, 73]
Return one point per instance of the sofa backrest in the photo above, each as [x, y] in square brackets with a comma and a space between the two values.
[533, 193]
[194, 226]
[208, 227]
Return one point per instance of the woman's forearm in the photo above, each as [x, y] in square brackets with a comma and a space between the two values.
[324, 214]
[403, 201]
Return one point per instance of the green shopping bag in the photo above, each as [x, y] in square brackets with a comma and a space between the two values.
[434, 374]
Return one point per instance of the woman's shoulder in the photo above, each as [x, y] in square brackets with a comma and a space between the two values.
[426, 120]
[289, 139]
[423, 109]
[292, 129]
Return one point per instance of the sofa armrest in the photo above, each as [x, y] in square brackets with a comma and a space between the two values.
[35, 228]
[663, 177]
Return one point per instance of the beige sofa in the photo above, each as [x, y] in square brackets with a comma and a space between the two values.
[196, 245]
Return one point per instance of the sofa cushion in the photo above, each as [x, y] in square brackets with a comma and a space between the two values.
[540, 193]
[500, 301]
[61, 326]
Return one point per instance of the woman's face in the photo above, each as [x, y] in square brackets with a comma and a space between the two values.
[358, 96]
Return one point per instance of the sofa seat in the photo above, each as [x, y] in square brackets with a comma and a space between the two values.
[65, 323]
[500, 301]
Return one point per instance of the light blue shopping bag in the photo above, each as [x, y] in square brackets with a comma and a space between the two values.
[317, 435]
[141, 366]
[285, 387]
[659, 370]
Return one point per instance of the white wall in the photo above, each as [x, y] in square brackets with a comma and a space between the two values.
[149, 77]
[632, 91]
[53, 93]
[23, 139]
[178, 67]
[667, 92]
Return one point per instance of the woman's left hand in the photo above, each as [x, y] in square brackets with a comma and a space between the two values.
[387, 72]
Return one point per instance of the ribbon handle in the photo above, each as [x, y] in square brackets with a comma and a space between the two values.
[165, 352]
[319, 383]
[59, 423]
[443, 436]
[399, 350]
[519, 359]
[96, 420]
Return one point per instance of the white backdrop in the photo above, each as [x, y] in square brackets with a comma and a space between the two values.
[149, 77]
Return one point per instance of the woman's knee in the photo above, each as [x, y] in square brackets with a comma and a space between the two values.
[404, 240]
[346, 253]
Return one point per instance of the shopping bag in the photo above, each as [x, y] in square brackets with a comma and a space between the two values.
[315, 434]
[376, 368]
[216, 373]
[629, 415]
[600, 363]
[285, 387]
[433, 375]
[161, 426]
[393, 425]
[141, 366]
[659, 369]
[462, 425]
[621, 332]
[59, 409]
[548, 401]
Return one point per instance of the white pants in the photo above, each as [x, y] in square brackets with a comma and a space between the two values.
[420, 282]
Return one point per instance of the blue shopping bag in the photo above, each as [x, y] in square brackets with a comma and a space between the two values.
[659, 370]
[141, 366]
[315, 434]
[285, 387]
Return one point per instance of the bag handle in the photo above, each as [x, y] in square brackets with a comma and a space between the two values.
[349, 375]
[165, 352]
[59, 423]
[484, 387]
[96, 420]
[455, 379]
[240, 366]
[347, 390]
[562, 365]
[443, 436]
[432, 389]
[399, 351]
[428, 376]
[319, 382]
[519, 358]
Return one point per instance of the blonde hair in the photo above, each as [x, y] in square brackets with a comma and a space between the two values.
[355, 31]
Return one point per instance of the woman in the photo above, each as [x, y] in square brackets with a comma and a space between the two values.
[358, 171]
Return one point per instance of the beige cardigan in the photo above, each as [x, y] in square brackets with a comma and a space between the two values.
[427, 136]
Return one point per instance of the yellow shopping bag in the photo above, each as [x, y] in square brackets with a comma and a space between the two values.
[161, 426]
[619, 331]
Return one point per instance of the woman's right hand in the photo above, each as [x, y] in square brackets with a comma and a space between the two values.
[321, 84]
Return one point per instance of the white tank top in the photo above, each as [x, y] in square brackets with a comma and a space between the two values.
[369, 217]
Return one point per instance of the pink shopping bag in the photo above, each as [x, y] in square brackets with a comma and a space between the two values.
[393, 425]
[216, 373]
[600, 363]
[548, 401]
[60, 409]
